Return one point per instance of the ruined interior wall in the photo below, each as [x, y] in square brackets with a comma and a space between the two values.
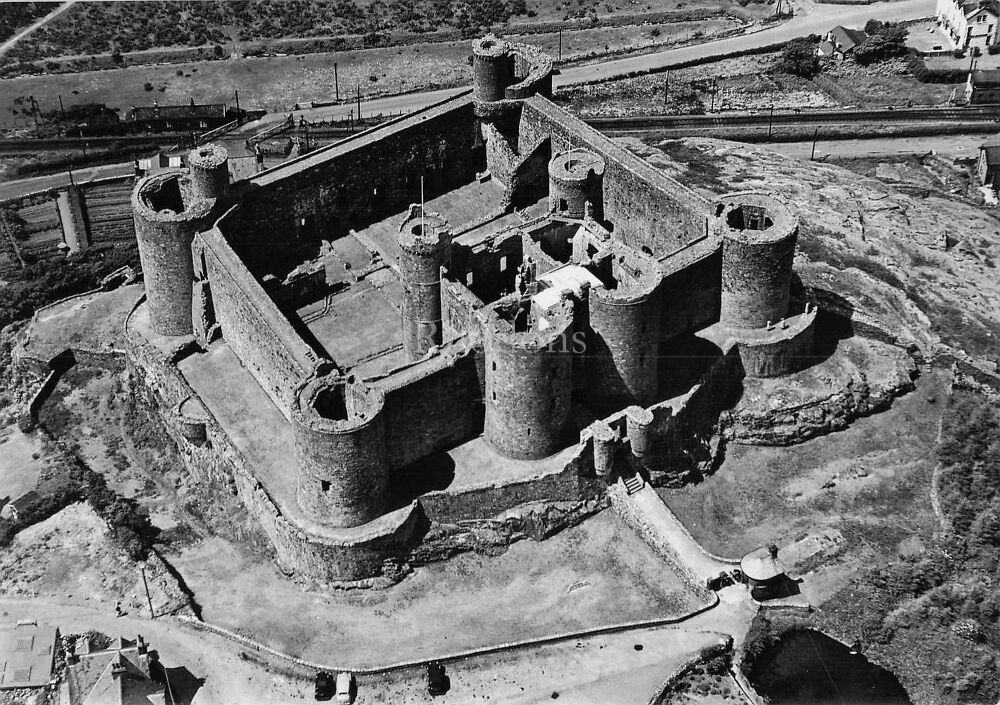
[432, 405]
[458, 306]
[252, 325]
[492, 265]
[647, 208]
[324, 195]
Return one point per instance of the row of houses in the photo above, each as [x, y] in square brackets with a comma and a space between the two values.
[98, 119]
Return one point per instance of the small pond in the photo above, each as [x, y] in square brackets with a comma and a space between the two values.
[806, 667]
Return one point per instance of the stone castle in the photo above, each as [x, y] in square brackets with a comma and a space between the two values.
[477, 304]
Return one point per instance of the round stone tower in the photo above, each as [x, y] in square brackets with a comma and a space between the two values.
[209, 171]
[339, 432]
[425, 245]
[623, 344]
[758, 244]
[167, 216]
[492, 68]
[529, 378]
[576, 177]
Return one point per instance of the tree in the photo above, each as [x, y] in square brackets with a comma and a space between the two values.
[799, 58]
[217, 50]
[885, 40]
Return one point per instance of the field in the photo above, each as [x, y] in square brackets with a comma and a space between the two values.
[870, 483]
[277, 83]
[751, 83]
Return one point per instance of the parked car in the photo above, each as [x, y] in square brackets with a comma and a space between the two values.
[345, 687]
[324, 686]
[437, 681]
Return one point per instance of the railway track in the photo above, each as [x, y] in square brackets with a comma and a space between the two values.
[989, 113]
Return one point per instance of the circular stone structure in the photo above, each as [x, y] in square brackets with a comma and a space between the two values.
[425, 245]
[165, 225]
[209, 171]
[339, 433]
[575, 177]
[623, 344]
[529, 381]
[491, 68]
[758, 244]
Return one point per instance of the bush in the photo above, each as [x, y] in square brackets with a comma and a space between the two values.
[993, 49]
[217, 51]
[147, 86]
[958, 53]
[799, 58]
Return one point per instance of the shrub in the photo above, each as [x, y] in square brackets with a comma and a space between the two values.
[993, 49]
[217, 51]
[799, 58]
[147, 86]
[958, 53]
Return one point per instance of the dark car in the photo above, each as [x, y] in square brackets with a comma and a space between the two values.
[324, 686]
[437, 681]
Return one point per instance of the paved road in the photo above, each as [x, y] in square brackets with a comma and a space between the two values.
[809, 18]
[9, 189]
[35, 25]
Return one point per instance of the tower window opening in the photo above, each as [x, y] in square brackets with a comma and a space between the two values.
[503, 263]
[324, 485]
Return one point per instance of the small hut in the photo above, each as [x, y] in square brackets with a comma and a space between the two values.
[764, 572]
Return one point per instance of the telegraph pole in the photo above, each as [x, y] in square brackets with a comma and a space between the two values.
[239, 115]
[813, 155]
[770, 122]
[62, 110]
[336, 81]
[149, 600]
[359, 102]
[666, 86]
[560, 46]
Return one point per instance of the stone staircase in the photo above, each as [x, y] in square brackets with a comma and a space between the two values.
[634, 484]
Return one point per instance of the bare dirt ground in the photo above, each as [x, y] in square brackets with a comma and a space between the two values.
[595, 574]
[862, 493]
[21, 459]
[70, 557]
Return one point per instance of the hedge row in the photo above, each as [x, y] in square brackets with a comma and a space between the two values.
[918, 67]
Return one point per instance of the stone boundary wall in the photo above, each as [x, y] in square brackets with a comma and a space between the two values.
[646, 205]
[454, 656]
[111, 360]
[490, 499]
[620, 500]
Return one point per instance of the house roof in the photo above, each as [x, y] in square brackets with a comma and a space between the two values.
[974, 6]
[826, 48]
[761, 565]
[985, 78]
[26, 653]
[177, 112]
[992, 149]
[846, 38]
[123, 683]
[25, 500]
[114, 676]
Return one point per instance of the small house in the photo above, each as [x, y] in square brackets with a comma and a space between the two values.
[765, 575]
[840, 42]
[16, 509]
[982, 87]
[988, 164]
